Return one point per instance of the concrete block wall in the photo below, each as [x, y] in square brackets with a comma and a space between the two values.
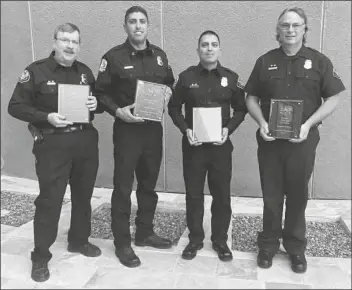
[246, 30]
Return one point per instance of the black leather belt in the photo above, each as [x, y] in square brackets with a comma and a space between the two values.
[67, 129]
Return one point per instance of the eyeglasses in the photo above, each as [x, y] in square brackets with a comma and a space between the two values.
[295, 26]
[68, 41]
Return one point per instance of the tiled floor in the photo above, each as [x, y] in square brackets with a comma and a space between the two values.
[165, 269]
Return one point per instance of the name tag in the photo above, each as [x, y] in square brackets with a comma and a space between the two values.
[128, 67]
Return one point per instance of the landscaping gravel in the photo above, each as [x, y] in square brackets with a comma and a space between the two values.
[168, 224]
[324, 239]
[20, 207]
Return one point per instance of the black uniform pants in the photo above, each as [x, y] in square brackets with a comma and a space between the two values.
[137, 150]
[61, 159]
[285, 169]
[216, 161]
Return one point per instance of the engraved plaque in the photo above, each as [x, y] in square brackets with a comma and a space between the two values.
[149, 100]
[285, 118]
[72, 102]
[207, 124]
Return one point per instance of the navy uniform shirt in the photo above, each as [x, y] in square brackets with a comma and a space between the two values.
[36, 93]
[120, 68]
[199, 87]
[309, 76]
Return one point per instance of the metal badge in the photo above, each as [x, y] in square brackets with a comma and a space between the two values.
[308, 64]
[84, 80]
[160, 61]
[224, 82]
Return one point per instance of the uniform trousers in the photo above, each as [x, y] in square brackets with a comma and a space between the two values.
[285, 169]
[215, 162]
[137, 150]
[60, 159]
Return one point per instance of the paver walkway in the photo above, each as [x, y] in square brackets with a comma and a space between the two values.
[165, 269]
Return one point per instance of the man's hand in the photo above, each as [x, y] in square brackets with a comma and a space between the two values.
[191, 141]
[92, 103]
[125, 114]
[264, 131]
[58, 121]
[224, 136]
[303, 134]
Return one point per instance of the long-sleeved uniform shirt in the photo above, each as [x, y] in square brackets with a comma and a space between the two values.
[36, 93]
[199, 87]
[120, 68]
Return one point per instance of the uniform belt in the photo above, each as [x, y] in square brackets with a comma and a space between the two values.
[67, 129]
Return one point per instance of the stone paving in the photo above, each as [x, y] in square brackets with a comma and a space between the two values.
[165, 269]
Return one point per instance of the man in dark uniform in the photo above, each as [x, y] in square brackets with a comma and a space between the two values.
[137, 142]
[292, 71]
[65, 152]
[208, 85]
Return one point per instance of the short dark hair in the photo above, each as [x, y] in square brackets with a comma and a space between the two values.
[211, 32]
[135, 9]
[67, 27]
[301, 13]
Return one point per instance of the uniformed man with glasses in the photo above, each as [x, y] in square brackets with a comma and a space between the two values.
[291, 72]
[65, 152]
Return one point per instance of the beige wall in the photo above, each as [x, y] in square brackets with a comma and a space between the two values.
[246, 29]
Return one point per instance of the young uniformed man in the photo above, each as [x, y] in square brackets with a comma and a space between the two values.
[65, 152]
[137, 142]
[292, 71]
[208, 84]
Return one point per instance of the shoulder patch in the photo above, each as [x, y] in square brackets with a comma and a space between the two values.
[240, 84]
[175, 82]
[25, 76]
[335, 74]
[103, 65]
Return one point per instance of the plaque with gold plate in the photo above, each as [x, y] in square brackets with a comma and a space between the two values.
[72, 102]
[285, 118]
[149, 100]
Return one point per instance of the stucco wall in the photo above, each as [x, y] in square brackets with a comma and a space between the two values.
[246, 30]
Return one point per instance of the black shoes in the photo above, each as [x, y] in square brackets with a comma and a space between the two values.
[223, 251]
[265, 259]
[127, 257]
[191, 251]
[154, 241]
[298, 263]
[40, 271]
[88, 250]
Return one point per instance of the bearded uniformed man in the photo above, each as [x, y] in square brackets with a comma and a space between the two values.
[137, 142]
[65, 152]
[292, 72]
[208, 85]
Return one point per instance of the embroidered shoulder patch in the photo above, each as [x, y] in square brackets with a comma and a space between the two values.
[103, 65]
[175, 82]
[240, 84]
[335, 74]
[25, 76]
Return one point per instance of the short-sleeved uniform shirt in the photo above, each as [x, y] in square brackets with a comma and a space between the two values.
[199, 87]
[309, 76]
[120, 68]
[36, 93]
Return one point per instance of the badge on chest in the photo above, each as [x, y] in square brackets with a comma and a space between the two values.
[224, 82]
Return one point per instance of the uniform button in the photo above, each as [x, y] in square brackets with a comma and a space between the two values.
[288, 85]
[289, 72]
[209, 90]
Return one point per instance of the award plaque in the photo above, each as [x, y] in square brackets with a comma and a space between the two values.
[285, 118]
[207, 124]
[72, 102]
[149, 100]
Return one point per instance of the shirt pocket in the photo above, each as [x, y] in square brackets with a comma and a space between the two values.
[275, 83]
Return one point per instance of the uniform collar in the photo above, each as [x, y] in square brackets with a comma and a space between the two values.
[53, 64]
[303, 52]
[219, 70]
[132, 51]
